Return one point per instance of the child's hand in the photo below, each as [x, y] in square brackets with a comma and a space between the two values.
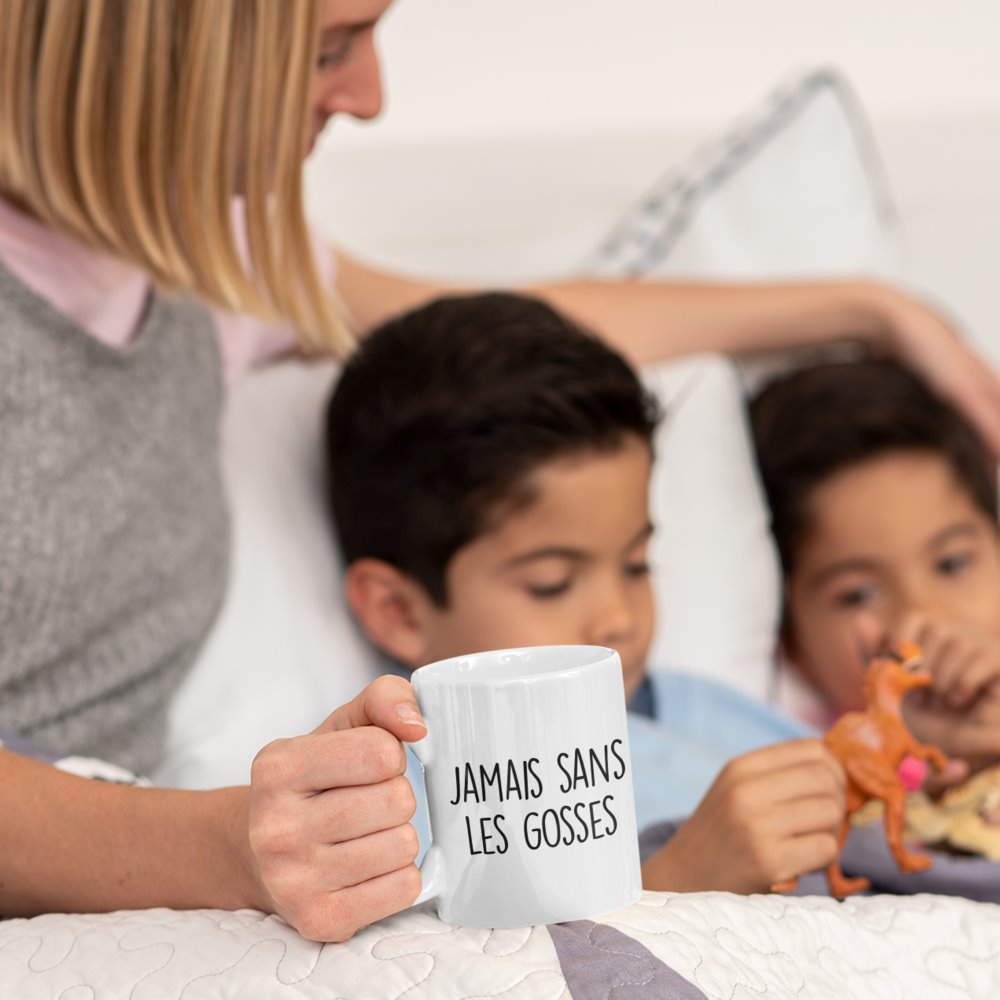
[961, 712]
[771, 815]
[330, 843]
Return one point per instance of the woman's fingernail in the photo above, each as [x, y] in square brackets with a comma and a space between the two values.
[408, 713]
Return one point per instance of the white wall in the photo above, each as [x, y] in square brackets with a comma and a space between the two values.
[536, 122]
[570, 64]
[474, 70]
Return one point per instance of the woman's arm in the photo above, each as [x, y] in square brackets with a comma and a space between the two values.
[649, 321]
[72, 844]
[321, 836]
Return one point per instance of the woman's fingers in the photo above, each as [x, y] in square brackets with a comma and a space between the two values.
[337, 916]
[366, 858]
[345, 814]
[328, 816]
[323, 760]
[387, 702]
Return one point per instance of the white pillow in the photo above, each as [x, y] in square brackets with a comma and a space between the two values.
[792, 192]
[788, 192]
[795, 190]
[284, 652]
[715, 567]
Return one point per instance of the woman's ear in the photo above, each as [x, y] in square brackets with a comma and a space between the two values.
[390, 607]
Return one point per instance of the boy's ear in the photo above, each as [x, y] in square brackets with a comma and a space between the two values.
[389, 607]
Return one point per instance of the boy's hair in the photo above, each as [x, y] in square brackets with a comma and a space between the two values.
[442, 414]
[819, 421]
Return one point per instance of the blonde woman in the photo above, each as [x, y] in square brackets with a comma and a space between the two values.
[152, 245]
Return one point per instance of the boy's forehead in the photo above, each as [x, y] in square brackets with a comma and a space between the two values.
[579, 502]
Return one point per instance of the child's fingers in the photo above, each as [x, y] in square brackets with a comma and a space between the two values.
[912, 628]
[940, 643]
[957, 734]
[802, 782]
[955, 771]
[972, 677]
[937, 646]
[807, 814]
[803, 854]
[769, 802]
[953, 655]
[962, 662]
[946, 651]
[779, 757]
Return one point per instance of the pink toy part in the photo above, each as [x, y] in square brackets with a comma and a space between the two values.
[912, 773]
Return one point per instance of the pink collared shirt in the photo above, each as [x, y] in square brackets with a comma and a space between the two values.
[106, 296]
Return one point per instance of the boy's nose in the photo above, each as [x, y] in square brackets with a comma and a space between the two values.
[614, 622]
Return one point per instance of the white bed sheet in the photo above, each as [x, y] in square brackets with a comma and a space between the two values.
[727, 946]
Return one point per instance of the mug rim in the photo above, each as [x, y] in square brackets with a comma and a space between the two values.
[468, 669]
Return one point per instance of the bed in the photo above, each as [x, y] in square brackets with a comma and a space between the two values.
[795, 188]
[670, 947]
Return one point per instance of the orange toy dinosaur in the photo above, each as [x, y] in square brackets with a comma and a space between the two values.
[871, 745]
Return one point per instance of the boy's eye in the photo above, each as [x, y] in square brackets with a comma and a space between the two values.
[637, 569]
[953, 564]
[856, 597]
[546, 590]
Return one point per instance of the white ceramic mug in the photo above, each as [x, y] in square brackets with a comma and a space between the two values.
[529, 786]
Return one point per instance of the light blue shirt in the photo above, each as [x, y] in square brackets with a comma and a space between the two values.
[695, 727]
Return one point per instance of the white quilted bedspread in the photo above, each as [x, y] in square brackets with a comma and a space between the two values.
[726, 946]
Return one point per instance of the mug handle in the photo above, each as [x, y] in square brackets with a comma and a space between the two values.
[432, 867]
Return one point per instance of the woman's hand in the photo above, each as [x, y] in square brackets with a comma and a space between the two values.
[771, 815]
[922, 338]
[650, 321]
[330, 844]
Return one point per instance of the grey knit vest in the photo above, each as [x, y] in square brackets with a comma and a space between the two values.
[113, 525]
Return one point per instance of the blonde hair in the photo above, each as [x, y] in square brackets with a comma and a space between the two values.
[137, 125]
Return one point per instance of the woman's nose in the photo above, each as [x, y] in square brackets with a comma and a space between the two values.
[359, 94]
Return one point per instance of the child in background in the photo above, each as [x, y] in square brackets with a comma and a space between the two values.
[490, 467]
[884, 509]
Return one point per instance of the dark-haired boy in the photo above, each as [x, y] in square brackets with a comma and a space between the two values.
[490, 467]
[884, 509]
